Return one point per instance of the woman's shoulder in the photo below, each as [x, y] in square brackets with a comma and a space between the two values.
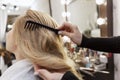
[21, 70]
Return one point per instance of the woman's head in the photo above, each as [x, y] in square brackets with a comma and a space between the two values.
[41, 46]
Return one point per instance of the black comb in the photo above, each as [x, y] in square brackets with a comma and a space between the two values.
[31, 25]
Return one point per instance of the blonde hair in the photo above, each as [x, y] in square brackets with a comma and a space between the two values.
[41, 46]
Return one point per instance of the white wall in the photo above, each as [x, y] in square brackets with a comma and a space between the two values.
[57, 9]
[41, 5]
[3, 20]
[116, 32]
[83, 13]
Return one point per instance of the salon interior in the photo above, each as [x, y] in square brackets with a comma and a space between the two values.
[95, 18]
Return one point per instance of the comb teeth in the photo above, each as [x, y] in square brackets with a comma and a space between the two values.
[31, 25]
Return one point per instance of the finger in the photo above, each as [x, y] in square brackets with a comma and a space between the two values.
[43, 74]
[36, 67]
[40, 75]
[64, 26]
[64, 33]
[67, 24]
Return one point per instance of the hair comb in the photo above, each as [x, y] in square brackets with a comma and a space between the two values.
[31, 25]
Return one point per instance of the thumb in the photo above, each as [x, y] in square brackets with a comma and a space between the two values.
[64, 33]
[44, 74]
[36, 67]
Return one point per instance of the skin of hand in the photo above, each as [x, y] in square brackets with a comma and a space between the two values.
[72, 31]
[47, 75]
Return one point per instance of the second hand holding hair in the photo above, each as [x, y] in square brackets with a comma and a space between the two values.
[46, 75]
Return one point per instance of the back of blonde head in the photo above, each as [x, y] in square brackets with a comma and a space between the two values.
[41, 46]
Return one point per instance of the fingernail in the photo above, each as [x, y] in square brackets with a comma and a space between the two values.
[60, 32]
[36, 73]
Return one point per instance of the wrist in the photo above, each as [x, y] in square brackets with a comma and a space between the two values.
[58, 76]
[80, 38]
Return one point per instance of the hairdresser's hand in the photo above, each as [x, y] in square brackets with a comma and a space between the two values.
[71, 31]
[46, 75]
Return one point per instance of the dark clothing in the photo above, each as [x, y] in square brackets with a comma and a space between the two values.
[101, 44]
[69, 76]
